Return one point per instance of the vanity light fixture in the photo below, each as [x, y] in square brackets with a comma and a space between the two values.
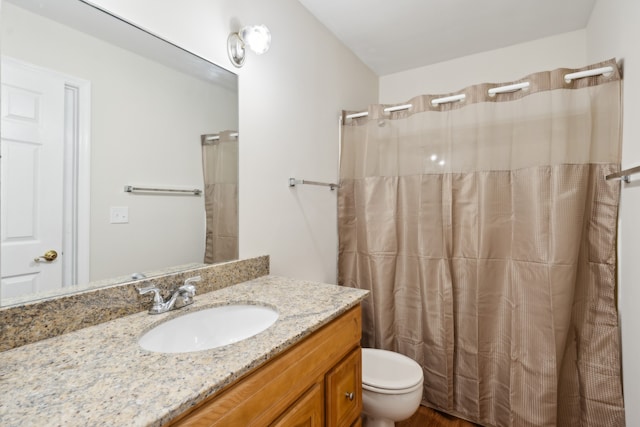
[255, 37]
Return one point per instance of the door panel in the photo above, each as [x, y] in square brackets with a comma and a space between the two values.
[32, 178]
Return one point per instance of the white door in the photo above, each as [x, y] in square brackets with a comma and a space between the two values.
[32, 179]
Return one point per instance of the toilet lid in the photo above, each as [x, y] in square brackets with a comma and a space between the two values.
[388, 370]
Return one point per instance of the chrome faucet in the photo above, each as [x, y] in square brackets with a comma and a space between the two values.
[181, 297]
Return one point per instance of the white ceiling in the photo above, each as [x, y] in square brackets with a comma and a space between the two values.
[396, 35]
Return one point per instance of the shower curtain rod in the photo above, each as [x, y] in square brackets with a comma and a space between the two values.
[493, 91]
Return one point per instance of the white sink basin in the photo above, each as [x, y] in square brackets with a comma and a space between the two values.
[208, 328]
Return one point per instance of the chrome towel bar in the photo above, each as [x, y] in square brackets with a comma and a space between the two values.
[293, 182]
[624, 175]
[132, 189]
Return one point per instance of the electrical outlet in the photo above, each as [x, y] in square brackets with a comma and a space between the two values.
[119, 214]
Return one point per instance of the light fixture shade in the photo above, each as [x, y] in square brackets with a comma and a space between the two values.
[256, 37]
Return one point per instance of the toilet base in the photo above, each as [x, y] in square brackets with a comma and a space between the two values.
[377, 422]
[384, 410]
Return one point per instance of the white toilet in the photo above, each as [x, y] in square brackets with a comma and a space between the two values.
[391, 387]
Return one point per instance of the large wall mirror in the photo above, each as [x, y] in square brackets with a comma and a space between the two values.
[91, 104]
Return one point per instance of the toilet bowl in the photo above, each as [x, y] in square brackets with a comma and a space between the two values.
[391, 387]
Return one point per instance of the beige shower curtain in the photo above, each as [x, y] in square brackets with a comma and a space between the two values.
[220, 167]
[487, 234]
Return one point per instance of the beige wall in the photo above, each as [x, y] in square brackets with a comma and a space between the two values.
[158, 148]
[614, 30]
[496, 66]
[289, 101]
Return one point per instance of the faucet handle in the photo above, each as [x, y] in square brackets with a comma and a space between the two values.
[157, 298]
[158, 302]
[191, 280]
[186, 292]
[188, 287]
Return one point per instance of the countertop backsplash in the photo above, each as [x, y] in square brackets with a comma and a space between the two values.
[47, 318]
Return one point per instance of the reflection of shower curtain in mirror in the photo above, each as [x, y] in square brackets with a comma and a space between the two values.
[220, 166]
[486, 232]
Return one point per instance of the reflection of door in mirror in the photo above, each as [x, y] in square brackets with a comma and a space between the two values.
[39, 135]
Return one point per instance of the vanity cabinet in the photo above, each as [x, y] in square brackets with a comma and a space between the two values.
[317, 382]
[307, 411]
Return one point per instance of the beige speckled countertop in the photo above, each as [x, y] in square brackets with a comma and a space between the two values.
[99, 376]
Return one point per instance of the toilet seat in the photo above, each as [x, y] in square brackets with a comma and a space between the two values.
[387, 372]
[391, 391]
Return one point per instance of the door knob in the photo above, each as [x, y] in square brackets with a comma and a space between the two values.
[48, 256]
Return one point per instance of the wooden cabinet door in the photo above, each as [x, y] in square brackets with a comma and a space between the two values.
[308, 411]
[344, 391]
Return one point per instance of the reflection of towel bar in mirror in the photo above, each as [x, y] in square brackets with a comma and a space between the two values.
[624, 175]
[293, 182]
[213, 138]
[132, 189]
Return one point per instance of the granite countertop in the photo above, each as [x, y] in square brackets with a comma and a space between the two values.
[100, 376]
